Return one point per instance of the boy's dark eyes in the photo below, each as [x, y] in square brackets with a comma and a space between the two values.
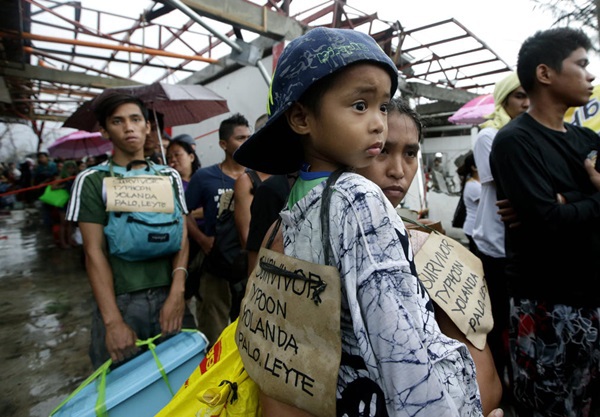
[361, 106]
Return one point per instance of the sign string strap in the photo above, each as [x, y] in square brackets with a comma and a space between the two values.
[319, 284]
[416, 223]
[325, 203]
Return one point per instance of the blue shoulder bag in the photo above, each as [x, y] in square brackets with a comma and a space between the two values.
[136, 236]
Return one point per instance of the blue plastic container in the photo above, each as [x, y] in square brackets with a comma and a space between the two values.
[137, 388]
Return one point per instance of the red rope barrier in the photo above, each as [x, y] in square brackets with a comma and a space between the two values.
[35, 187]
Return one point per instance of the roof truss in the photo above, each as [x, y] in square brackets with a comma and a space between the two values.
[59, 54]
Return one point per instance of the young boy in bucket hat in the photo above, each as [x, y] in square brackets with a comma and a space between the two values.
[328, 111]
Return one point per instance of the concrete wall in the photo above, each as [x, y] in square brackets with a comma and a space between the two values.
[451, 148]
[246, 92]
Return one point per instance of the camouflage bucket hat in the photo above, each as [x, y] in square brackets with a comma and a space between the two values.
[275, 148]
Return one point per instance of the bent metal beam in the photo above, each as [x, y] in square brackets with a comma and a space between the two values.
[134, 49]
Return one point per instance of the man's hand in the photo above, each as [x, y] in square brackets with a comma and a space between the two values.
[171, 314]
[591, 170]
[120, 341]
[207, 244]
[198, 213]
[507, 214]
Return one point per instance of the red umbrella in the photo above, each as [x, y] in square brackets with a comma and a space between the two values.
[178, 103]
[79, 144]
[474, 111]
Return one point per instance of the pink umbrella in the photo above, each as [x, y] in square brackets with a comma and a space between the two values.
[79, 144]
[473, 112]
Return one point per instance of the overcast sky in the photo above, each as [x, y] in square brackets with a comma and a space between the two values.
[502, 24]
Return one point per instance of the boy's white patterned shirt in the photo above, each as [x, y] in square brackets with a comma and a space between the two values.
[392, 348]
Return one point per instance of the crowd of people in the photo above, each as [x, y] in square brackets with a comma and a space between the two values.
[25, 183]
[533, 220]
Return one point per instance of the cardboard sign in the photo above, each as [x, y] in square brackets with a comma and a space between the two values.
[225, 202]
[141, 193]
[453, 277]
[288, 332]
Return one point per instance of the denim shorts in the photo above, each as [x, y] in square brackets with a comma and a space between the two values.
[141, 311]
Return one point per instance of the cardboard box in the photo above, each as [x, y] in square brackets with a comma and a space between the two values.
[137, 387]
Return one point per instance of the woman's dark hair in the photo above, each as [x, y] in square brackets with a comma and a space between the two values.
[402, 106]
[188, 148]
[464, 170]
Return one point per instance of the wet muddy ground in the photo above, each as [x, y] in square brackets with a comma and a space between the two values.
[45, 310]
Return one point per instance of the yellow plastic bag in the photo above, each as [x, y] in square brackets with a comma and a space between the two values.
[220, 386]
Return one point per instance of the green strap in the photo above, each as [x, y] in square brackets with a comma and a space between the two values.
[100, 407]
[104, 369]
[152, 347]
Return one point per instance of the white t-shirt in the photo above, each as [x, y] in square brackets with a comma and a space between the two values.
[16, 174]
[488, 232]
[471, 195]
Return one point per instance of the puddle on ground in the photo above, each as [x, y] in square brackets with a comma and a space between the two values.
[45, 312]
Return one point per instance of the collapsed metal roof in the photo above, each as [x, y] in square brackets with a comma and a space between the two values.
[56, 55]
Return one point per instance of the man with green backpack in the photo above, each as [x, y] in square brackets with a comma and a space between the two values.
[131, 216]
